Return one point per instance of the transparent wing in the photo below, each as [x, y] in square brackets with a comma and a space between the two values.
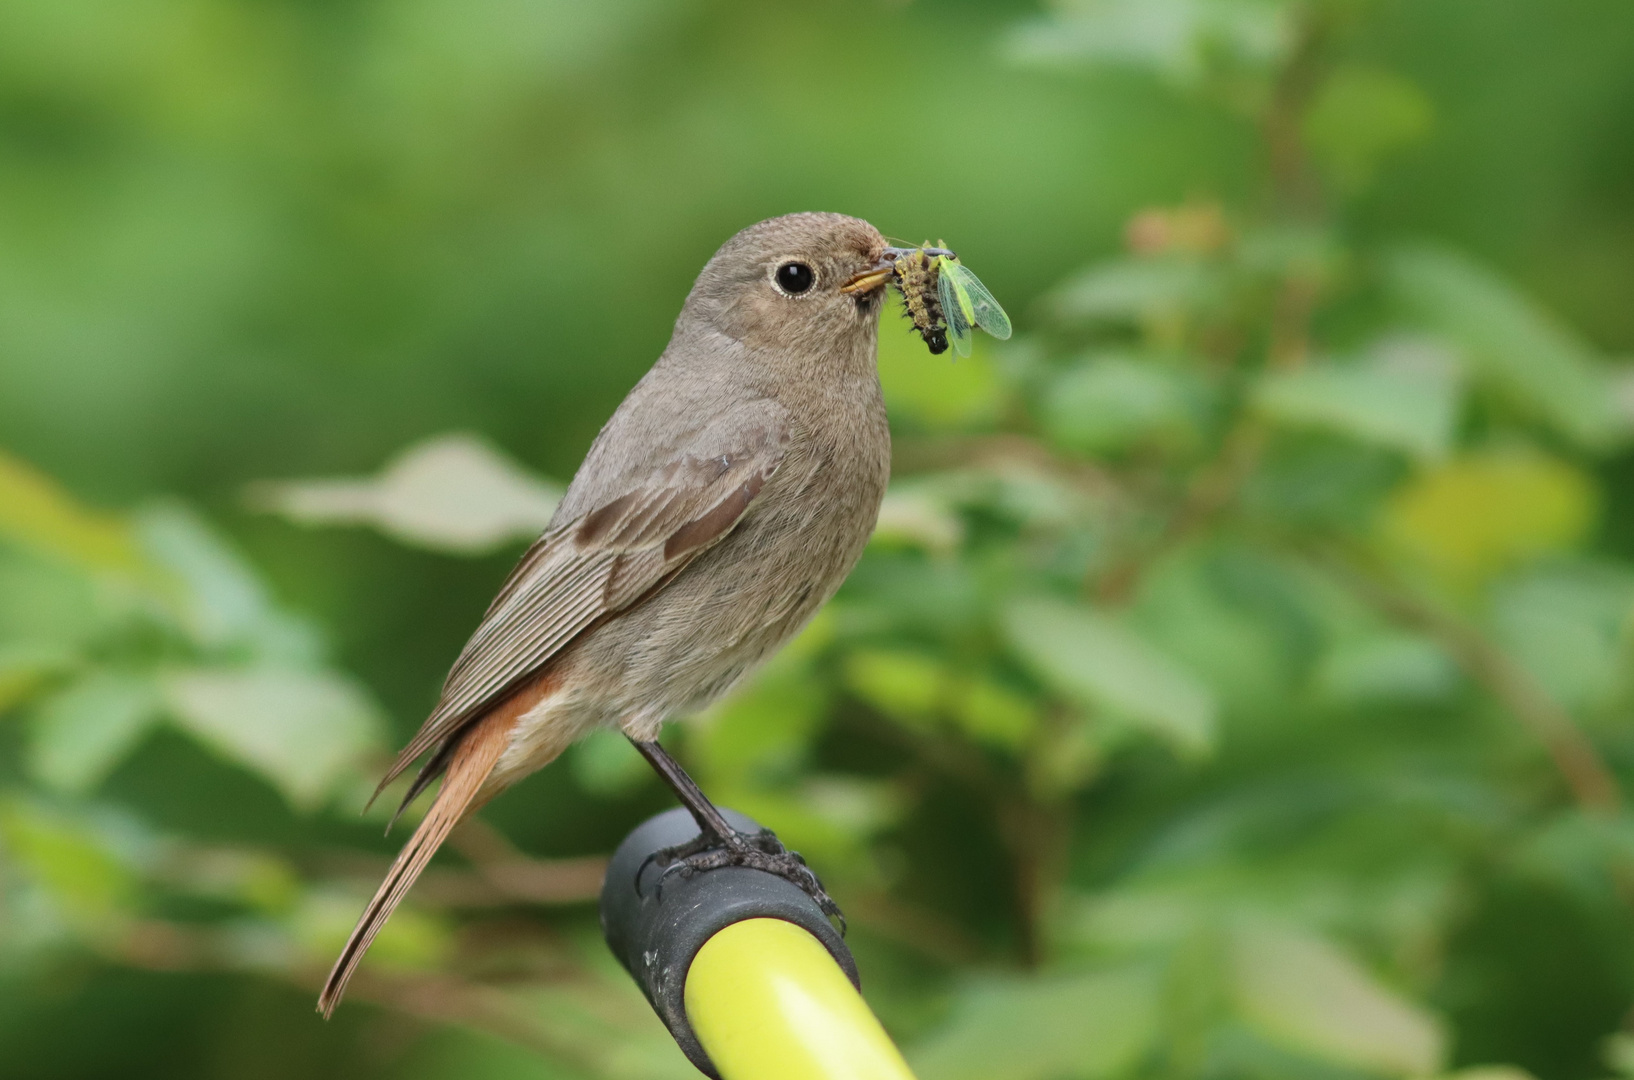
[976, 302]
[956, 307]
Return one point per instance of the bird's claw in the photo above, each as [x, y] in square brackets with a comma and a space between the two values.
[758, 851]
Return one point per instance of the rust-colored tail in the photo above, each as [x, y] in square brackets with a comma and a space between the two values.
[478, 751]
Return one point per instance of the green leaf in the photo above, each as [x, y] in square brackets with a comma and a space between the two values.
[79, 734]
[1584, 854]
[222, 600]
[66, 858]
[37, 513]
[302, 730]
[604, 762]
[994, 714]
[1304, 993]
[322, 920]
[1099, 661]
[1179, 39]
[764, 729]
[1568, 625]
[1543, 369]
[1362, 115]
[1133, 290]
[1404, 399]
[24, 669]
[1080, 1027]
[1479, 515]
[1111, 403]
[908, 686]
[452, 493]
[917, 516]
[1386, 668]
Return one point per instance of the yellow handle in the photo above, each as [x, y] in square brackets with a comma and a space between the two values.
[769, 1003]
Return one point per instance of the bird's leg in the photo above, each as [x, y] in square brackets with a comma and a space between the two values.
[719, 844]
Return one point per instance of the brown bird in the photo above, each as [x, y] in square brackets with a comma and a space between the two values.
[722, 504]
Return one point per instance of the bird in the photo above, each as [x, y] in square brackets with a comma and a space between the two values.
[723, 503]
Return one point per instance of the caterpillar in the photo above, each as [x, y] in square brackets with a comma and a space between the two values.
[916, 278]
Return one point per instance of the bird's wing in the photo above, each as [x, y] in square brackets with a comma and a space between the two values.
[602, 561]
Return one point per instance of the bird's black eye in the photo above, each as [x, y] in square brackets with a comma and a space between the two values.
[795, 278]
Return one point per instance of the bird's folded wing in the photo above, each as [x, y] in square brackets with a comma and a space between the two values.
[600, 562]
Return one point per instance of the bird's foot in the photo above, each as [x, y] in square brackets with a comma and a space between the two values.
[758, 851]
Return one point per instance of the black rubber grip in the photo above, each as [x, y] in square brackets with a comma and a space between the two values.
[655, 932]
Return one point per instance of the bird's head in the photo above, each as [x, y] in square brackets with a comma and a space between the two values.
[801, 282]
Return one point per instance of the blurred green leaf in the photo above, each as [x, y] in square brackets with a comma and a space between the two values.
[1360, 116]
[1387, 668]
[1618, 1052]
[302, 730]
[1140, 291]
[1510, 343]
[764, 729]
[1389, 400]
[1481, 514]
[322, 920]
[918, 517]
[1585, 855]
[605, 763]
[1177, 38]
[1112, 403]
[1090, 1025]
[992, 713]
[79, 734]
[1303, 992]
[69, 860]
[1569, 626]
[222, 602]
[1091, 657]
[255, 879]
[25, 668]
[452, 493]
[37, 513]
[1241, 632]
[909, 687]
[920, 690]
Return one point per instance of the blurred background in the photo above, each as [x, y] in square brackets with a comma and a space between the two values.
[1237, 686]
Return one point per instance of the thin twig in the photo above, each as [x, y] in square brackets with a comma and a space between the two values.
[522, 877]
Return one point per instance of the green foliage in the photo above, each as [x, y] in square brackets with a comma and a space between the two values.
[1236, 687]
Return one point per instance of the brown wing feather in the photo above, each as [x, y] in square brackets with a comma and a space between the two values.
[590, 567]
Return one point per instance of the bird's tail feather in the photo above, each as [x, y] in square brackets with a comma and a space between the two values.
[478, 751]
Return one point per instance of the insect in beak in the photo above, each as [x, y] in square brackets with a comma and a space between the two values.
[878, 274]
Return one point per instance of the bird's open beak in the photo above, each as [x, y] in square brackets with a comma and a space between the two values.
[878, 274]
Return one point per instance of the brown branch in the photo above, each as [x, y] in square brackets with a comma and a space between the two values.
[1293, 186]
[158, 945]
[1000, 454]
[922, 929]
[522, 877]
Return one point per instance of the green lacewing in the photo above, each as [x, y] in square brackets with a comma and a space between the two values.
[966, 304]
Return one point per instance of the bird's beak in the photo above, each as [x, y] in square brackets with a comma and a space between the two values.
[878, 274]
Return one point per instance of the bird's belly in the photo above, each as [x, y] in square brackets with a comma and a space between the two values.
[727, 611]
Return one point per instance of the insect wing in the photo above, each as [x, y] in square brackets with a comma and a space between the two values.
[985, 311]
[956, 307]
